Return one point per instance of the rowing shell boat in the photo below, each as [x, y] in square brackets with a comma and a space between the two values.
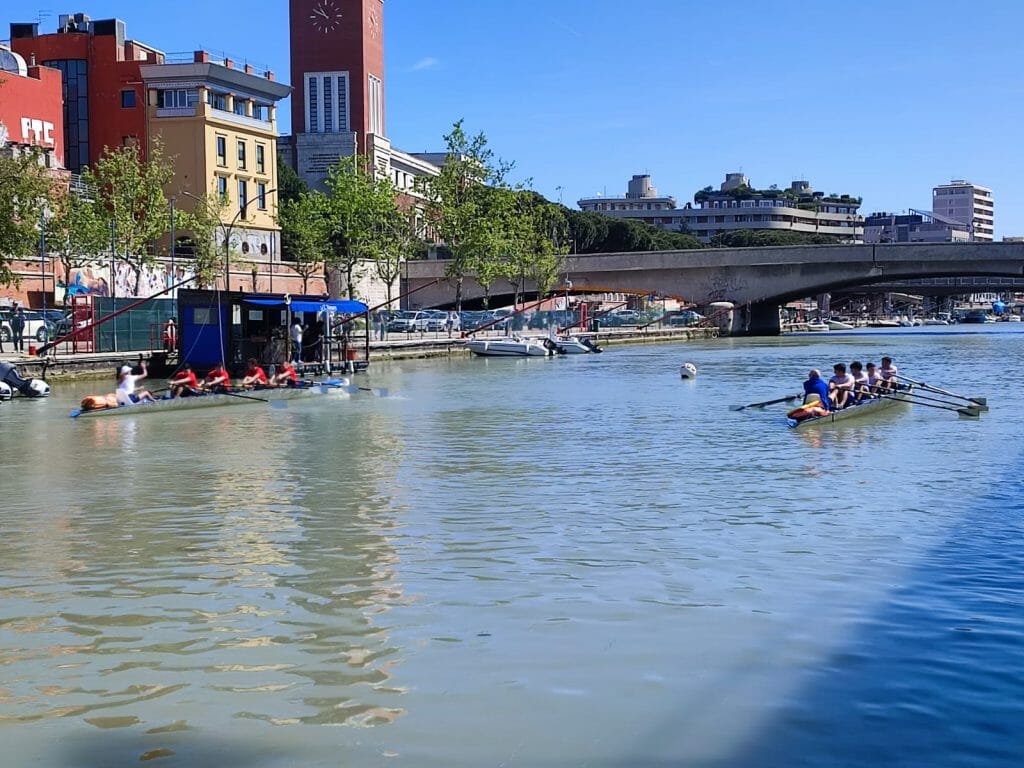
[854, 411]
[251, 397]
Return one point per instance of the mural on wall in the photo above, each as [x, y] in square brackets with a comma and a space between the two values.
[94, 280]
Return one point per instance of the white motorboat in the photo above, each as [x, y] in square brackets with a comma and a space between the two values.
[935, 321]
[883, 324]
[574, 345]
[838, 325]
[1013, 319]
[510, 346]
[818, 326]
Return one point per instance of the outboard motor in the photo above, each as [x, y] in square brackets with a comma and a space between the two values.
[27, 387]
[590, 345]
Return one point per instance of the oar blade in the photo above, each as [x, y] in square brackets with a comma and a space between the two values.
[969, 413]
[279, 405]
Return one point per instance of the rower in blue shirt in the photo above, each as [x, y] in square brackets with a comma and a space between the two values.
[815, 385]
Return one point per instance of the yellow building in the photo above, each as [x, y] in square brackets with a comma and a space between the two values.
[218, 125]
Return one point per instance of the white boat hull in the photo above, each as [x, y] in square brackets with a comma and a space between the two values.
[253, 397]
[839, 325]
[818, 327]
[507, 348]
[571, 345]
[854, 411]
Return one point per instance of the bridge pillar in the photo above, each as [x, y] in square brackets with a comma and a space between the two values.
[759, 319]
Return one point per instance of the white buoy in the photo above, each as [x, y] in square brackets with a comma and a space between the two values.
[688, 371]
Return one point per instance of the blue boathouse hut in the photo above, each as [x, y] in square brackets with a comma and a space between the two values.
[233, 326]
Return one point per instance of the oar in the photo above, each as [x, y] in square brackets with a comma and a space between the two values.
[377, 392]
[915, 394]
[979, 401]
[761, 405]
[970, 411]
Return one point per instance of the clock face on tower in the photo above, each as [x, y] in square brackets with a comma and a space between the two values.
[325, 17]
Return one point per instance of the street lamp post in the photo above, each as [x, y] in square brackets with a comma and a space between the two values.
[113, 276]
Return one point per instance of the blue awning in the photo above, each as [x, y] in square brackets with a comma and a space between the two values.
[345, 306]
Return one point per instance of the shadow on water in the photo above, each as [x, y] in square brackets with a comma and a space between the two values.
[120, 749]
[931, 679]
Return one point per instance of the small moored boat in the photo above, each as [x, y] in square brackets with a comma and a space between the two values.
[818, 326]
[574, 345]
[511, 346]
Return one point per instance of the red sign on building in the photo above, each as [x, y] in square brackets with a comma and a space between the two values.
[31, 106]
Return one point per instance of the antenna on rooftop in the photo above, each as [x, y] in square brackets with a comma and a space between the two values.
[43, 15]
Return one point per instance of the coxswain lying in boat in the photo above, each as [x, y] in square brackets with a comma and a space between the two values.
[816, 394]
[11, 381]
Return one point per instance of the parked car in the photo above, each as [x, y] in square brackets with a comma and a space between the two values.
[408, 321]
[470, 321]
[37, 326]
[436, 319]
[685, 318]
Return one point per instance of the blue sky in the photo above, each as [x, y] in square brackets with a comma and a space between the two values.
[879, 99]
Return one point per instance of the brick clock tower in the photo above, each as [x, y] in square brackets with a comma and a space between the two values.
[337, 74]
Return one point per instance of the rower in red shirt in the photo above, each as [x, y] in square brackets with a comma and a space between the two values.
[255, 376]
[217, 380]
[285, 376]
[185, 384]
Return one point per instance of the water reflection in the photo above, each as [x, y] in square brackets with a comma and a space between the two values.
[578, 561]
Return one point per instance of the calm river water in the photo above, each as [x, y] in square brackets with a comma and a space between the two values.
[573, 562]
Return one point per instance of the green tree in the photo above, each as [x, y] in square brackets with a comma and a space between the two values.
[78, 230]
[400, 240]
[358, 203]
[456, 206]
[290, 185]
[205, 250]
[752, 238]
[24, 190]
[131, 190]
[305, 234]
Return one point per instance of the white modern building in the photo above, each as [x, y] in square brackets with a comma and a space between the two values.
[736, 205]
[967, 203]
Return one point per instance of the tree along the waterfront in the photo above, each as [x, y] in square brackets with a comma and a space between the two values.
[78, 230]
[357, 203]
[24, 189]
[203, 249]
[305, 235]
[290, 185]
[456, 205]
[400, 240]
[594, 232]
[131, 191]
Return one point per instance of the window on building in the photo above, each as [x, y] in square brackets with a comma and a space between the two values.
[220, 101]
[313, 106]
[328, 104]
[222, 151]
[222, 188]
[243, 197]
[261, 196]
[178, 98]
[76, 111]
[376, 105]
[260, 112]
[128, 99]
[240, 107]
[241, 155]
[261, 164]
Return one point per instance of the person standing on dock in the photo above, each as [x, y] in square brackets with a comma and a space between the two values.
[18, 328]
[296, 333]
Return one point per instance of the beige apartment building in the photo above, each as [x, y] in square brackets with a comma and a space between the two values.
[218, 124]
[969, 204]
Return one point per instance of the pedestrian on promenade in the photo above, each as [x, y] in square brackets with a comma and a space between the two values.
[169, 335]
[18, 328]
[296, 333]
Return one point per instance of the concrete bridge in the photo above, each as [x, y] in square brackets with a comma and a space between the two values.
[757, 280]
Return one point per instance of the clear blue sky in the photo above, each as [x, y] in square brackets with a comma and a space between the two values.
[878, 99]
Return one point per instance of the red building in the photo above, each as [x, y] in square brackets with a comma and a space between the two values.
[30, 107]
[104, 99]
